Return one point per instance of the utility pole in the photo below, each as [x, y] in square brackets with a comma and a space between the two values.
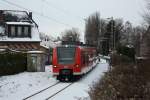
[113, 35]
[99, 35]
[112, 42]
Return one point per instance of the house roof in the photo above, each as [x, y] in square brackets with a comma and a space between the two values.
[23, 18]
[20, 46]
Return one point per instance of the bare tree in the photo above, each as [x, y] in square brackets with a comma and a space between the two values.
[126, 34]
[113, 32]
[118, 30]
[92, 28]
[146, 15]
[71, 35]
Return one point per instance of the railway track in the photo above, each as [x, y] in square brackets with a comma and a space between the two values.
[48, 98]
[49, 92]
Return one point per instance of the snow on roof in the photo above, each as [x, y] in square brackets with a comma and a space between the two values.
[18, 23]
[35, 52]
[49, 43]
[7, 39]
[20, 14]
[44, 46]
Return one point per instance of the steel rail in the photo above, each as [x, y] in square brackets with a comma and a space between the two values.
[58, 91]
[40, 91]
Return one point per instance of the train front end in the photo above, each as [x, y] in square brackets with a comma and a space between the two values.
[66, 63]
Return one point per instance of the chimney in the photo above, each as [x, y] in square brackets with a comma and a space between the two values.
[30, 15]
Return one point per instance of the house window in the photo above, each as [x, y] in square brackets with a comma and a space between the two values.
[12, 31]
[26, 31]
[19, 31]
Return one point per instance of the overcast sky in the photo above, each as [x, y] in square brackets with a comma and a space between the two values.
[65, 14]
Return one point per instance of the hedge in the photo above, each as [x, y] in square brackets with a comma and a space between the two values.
[12, 63]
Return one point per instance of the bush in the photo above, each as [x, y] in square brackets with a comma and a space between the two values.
[129, 52]
[120, 59]
[123, 82]
[11, 63]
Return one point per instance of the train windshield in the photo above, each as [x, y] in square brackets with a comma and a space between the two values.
[66, 55]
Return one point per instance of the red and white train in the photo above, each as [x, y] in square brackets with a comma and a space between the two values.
[70, 62]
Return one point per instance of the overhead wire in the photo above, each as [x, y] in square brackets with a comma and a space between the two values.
[37, 13]
[50, 4]
[4, 5]
[64, 11]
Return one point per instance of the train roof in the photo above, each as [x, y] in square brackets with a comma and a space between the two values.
[81, 47]
[76, 43]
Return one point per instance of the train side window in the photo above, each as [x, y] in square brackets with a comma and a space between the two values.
[86, 58]
[83, 58]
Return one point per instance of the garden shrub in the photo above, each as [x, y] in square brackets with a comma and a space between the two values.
[12, 62]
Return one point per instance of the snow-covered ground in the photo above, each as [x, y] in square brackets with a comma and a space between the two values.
[19, 86]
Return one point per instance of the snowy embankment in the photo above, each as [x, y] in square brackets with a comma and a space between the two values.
[19, 86]
[16, 87]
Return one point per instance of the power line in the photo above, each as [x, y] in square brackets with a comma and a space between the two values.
[40, 14]
[62, 10]
[2, 4]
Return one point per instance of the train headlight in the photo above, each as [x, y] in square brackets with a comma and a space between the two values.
[77, 65]
[54, 66]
